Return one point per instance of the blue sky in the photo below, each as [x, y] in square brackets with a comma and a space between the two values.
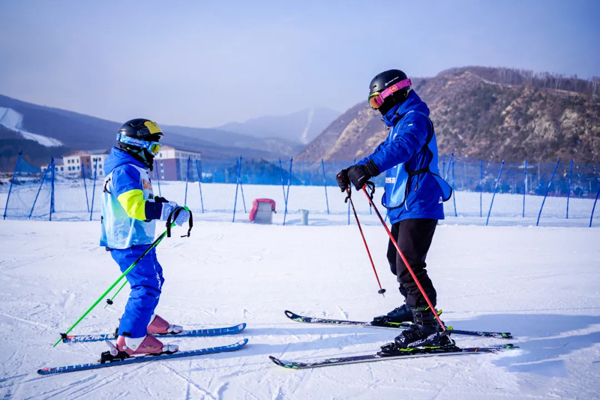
[201, 63]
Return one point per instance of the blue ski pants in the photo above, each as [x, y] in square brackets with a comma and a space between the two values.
[146, 280]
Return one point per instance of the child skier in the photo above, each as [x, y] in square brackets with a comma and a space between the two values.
[129, 212]
[414, 196]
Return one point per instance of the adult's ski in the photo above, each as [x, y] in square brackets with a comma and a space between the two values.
[141, 359]
[395, 325]
[417, 353]
[232, 330]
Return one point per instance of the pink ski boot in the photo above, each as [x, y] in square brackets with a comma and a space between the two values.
[158, 326]
[144, 345]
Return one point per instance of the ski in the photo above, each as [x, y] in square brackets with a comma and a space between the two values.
[141, 359]
[232, 330]
[395, 325]
[417, 353]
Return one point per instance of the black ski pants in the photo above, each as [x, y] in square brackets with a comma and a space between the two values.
[414, 237]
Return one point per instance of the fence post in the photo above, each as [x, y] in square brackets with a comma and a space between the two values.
[524, 187]
[481, 189]
[444, 167]
[546, 195]
[569, 189]
[87, 201]
[282, 184]
[325, 185]
[453, 185]
[237, 185]
[11, 184]
[157, 176]
[449, 165]
[594, 207]
[494, 195]
[40, 188]
[187, 178]
[242, 187]
[200, 184]
[52, 189]
[287, 196]
[94, 188]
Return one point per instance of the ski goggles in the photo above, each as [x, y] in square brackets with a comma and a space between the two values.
[376, 99]
[152, 147]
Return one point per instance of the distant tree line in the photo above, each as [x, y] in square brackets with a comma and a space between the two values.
[513, 76]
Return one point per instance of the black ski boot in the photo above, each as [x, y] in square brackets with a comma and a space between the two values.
[424, 334]
[397, 315]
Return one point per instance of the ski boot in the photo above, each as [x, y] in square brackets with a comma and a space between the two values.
[397, 316]
[130, 347]
[423, 336]
[158, 326]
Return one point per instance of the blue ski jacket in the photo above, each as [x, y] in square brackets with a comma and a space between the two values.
[409, 155]
[128, 206]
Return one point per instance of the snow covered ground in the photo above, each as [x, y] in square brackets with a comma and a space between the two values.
[542, 284]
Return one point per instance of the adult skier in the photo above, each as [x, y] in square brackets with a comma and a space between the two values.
[129, 212]
[414, 196]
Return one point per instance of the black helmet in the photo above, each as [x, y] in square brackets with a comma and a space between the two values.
[139, 137]
[399, 87]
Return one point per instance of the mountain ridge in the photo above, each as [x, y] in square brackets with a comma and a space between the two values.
[487, 114]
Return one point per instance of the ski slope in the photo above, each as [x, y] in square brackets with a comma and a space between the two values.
[13, 120]
[539, 283]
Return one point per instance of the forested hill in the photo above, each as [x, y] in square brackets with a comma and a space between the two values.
[488, 114]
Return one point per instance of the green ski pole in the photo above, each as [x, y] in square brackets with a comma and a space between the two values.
[110, 301]
[153, 245]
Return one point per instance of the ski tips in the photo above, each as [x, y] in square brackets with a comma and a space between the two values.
[276, 361]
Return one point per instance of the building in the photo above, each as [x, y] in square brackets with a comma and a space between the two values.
[59, 167]
[76, 163]
[171, 164]
[72, 162]
[93, 163]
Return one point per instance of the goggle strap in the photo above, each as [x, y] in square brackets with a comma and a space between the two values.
[395, 87]
[136, 142]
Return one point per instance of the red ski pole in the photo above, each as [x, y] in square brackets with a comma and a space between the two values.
[381, 291]
[433, 310]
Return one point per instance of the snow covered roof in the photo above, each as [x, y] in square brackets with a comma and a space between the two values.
[99, 152]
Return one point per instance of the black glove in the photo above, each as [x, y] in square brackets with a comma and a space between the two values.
[342, 179]
[359, 175]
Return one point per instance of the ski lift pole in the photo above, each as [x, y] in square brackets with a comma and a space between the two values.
[433, 310]
[170, 224]
[349, 197]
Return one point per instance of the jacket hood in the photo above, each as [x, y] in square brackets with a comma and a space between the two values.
[412, 103]
[118, 157]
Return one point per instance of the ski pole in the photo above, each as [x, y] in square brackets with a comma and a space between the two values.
[110, 301]
[381, 291]
[433, 310]
[167, 232]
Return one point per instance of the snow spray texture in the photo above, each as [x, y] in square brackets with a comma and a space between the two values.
[128, 207]
[413, 187]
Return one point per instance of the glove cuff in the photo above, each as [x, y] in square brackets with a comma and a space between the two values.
[372, 168]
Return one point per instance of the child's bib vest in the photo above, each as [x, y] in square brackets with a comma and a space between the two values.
[119, 230]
